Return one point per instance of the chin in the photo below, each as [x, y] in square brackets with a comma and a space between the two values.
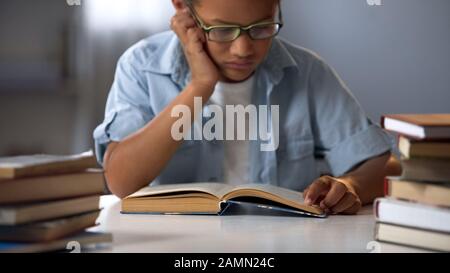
[236, 76]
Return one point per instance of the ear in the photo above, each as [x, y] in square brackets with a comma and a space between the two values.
[179, 4]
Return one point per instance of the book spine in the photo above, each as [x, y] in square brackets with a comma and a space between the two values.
[386, 186]
[377, 231]
[376, 204]
[382, 122]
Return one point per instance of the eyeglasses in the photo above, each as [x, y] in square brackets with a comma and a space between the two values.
[229, 33]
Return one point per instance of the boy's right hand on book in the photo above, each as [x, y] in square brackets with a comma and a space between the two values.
[333, 195]
[204, 72]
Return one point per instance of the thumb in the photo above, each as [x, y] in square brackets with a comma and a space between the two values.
[305, 191]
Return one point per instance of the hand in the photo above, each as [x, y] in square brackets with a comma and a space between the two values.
[204, 71]
[333, 195]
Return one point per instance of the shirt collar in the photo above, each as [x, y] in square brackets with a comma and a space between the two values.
[278, 60]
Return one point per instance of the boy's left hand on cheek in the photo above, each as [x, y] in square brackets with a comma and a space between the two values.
[333, 195]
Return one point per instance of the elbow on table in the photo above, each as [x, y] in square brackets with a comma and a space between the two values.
[118, 187]
[120, 181]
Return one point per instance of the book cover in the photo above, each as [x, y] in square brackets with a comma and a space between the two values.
[48, 230]
[418, 126]
[53, 187]
[33, 212]
[42, 164]
[412, 214]
[426, 169]
[437, 194]
[420, 238]
[410, 148]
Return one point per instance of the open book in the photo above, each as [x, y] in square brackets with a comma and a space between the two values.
[214, 198]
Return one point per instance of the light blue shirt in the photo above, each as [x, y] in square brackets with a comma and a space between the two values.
[318, 115]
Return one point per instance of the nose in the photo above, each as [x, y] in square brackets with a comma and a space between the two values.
[242, 47]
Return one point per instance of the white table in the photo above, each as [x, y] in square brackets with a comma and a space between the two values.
[238, 233]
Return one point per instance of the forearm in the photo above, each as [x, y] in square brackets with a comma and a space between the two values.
[139, 158]
[368, 178]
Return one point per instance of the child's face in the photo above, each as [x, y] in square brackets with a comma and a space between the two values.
[238, 59]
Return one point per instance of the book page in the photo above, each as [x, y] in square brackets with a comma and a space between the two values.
[273, 193]
[40, 159]
[284, 193]
[442, 120]
[215, 189]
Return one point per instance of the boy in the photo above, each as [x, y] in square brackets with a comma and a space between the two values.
[226, 53]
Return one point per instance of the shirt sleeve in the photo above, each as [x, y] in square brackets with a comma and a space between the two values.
[127, 108]
[343, 133]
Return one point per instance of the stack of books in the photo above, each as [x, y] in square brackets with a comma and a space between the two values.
[416, 211]
[47, 201]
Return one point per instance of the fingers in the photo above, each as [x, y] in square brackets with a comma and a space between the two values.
[353, 209]
[336, 193]
[193, 41]
[191, 36]
[180, 23]
[346, 202]
[196, 38]
[333, 195]
[317, 189]
[305, 192]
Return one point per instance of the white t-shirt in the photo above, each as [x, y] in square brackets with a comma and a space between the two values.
[236, 152]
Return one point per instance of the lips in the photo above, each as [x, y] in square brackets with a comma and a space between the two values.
[239, 65]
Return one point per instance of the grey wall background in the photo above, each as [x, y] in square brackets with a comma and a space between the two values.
[394, 57]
